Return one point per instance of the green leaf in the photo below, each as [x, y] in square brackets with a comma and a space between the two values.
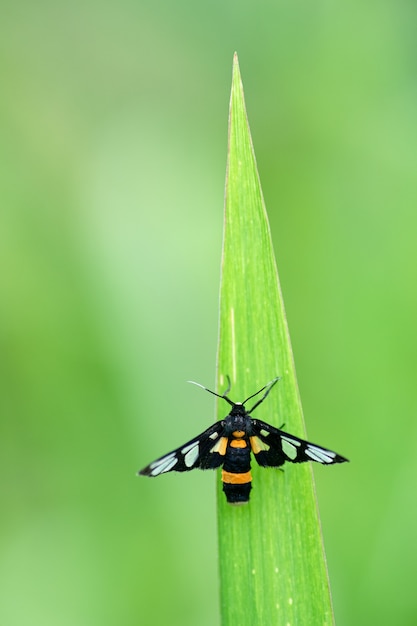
[272, 563]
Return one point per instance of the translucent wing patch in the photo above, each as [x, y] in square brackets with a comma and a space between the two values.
[165, 464]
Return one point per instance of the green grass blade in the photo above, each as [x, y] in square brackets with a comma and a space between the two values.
[272, 563]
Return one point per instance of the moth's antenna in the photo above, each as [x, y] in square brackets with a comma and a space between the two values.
[268, 388]
[224, 396]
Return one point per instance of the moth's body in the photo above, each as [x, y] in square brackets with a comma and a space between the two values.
[229, 443]
[236, 474]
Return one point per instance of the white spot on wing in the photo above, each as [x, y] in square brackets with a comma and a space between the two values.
[191, 456]
[164, 465]
[264, 432]
[213, 435]
[320, 455]
[157, 463]
[323, 451]
[289, 449]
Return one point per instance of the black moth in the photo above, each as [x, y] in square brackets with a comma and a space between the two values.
[229, 443]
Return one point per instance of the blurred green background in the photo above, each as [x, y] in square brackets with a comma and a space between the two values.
[113, 137]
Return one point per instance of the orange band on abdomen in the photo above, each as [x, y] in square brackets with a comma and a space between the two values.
[238, 443]
[236, 479]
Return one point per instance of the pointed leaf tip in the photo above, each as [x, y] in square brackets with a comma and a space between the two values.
[235, 66]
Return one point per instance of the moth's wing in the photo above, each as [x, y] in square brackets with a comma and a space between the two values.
[272, 447]
[206, 451]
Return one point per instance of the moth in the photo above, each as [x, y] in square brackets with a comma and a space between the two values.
[229, 443]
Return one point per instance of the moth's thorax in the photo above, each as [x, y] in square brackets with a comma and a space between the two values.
[238, 420]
